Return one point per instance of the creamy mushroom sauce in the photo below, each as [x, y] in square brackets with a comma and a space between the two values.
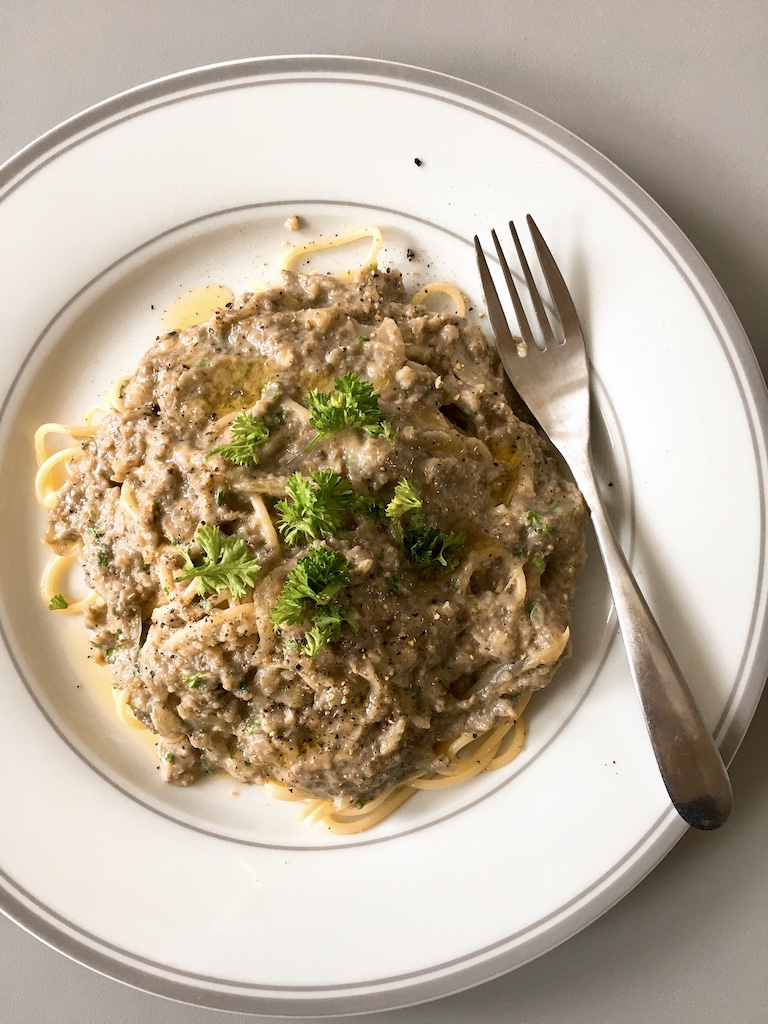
[433, 656]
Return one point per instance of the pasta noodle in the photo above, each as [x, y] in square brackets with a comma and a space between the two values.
[294, 254]
[426, 704]
[123, 709]
[51, 585]
[442, 288]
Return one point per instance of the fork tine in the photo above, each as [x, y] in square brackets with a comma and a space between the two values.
[538, 305]
[561, 297]
[522, 319]
[495, 309]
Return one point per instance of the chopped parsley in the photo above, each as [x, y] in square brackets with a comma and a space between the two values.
[406, 500]
[193, 679]
[538, 523]
[327, 621]
[316, 578]
[538, 563]
[109, 654]
[427, 546]
[310, 589]
[315, 505]
[226, 564]
[395, 585]
[57, 603]
[104, 553]
[273, 419]
[373, 508]
[352, 403]
[248, 433]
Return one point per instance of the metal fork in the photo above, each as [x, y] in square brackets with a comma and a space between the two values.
[554, 384]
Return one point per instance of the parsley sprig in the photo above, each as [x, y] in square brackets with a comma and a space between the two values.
[406, 499]
[352, 403]
[428, 547]
[316, 578]
[248, 433]
[58, 603]
[226, 564]
[374, 508]
[310, 588]
[315, 505]
[327, 621]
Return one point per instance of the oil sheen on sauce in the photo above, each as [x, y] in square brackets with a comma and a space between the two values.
[195, 306]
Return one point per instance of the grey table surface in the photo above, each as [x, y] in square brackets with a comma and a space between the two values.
[675, 93]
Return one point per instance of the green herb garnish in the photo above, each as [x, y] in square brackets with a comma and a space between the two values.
[104, 553]
[110, 652]
[227, 563]
[315, 505]
[538, 523]
[427, 546]
[327, 621]
[248, 433]
[273, 419]
[310, 589]
[193, 679]
[315, 579]
[373, 508]
[352, 403]
[406, 499]
[395, 585]
[57, 603]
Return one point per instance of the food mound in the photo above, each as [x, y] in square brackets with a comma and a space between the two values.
[325, 547]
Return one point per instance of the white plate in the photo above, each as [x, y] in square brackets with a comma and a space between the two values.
[226, 901]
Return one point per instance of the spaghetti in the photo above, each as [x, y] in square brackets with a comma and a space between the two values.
[455, 540]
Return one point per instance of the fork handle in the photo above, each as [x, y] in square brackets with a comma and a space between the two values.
[690, 764]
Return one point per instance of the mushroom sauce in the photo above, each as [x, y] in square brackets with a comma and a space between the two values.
[419, 652]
